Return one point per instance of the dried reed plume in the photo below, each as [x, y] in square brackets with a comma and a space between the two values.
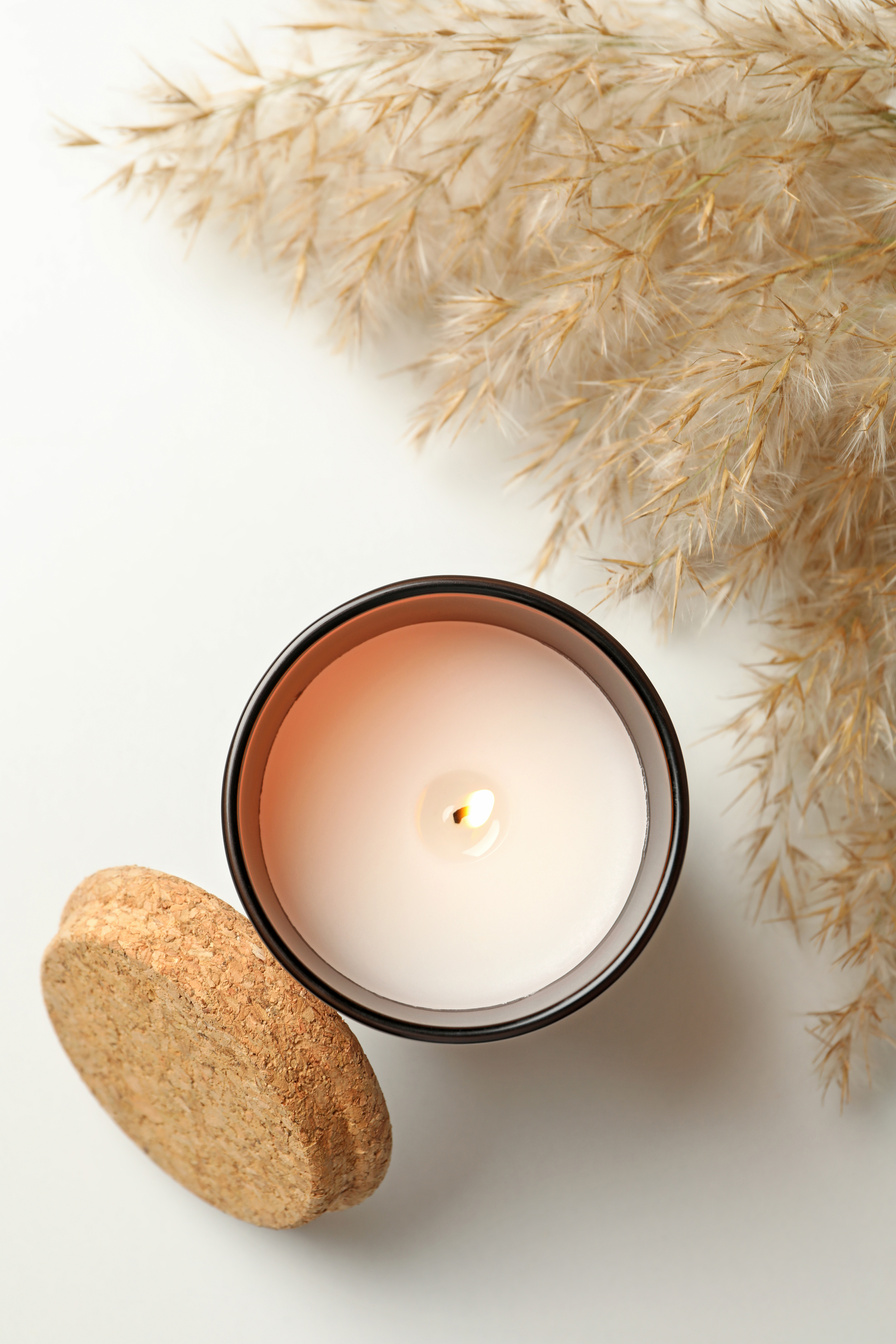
[668, 251]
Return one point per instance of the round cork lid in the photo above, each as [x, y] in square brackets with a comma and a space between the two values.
[227, 1072]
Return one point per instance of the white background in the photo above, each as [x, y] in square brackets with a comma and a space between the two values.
[187, 480]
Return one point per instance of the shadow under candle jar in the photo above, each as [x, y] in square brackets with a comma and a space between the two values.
[455, 809]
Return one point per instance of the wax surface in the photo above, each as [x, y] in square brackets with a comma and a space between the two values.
[380, 747]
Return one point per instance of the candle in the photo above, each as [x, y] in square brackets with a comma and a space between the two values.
[453, 814]
[455, 808]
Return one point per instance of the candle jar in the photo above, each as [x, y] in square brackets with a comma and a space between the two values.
[455, 809]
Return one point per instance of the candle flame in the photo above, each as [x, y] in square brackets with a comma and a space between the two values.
[476, 810]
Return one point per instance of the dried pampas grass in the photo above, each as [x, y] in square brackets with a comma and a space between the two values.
[667, 248]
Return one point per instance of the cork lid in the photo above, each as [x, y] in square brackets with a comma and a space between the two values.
[228, 1073]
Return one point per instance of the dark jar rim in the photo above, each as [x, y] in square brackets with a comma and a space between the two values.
[446, 1027]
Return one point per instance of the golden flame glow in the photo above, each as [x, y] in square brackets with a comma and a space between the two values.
[476, 809]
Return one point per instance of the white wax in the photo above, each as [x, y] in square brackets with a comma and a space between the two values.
[367, 843]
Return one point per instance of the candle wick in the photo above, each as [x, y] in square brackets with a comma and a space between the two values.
[459, 815]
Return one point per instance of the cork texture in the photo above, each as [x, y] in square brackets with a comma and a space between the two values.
[227, 1072]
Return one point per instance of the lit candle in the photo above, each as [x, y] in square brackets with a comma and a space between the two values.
[455, 808]
[453, 814]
